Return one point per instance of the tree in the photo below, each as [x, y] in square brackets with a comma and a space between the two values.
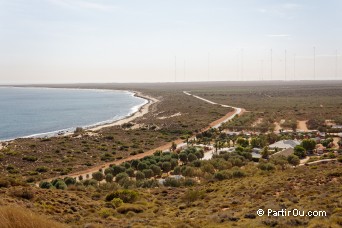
[199, 154]
[130, 172]
[142, 166]
[117, 170]
[121, 176]
[69, 181]
[308, 144]
[340, 143]
[177, 171]
[258, 142]
[148, 173]
[140, 175]
[300, 151]
[183, 157]
[98, 176]
[60, 185]
[239, 149]
[173, 146]
[242, 142]
[156, 170]
[293, 160]
[109, 178]
[328, 142]
[192, 157]
[166, 166]
[280, 161]
[265, 153]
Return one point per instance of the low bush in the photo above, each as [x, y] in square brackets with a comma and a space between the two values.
[45, 185]
[24, 193]
[127, 208]
[127, 196]
[116, 202]
[30, 158]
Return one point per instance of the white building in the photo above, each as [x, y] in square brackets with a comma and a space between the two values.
[284, 144]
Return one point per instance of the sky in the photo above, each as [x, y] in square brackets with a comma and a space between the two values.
[70, 41]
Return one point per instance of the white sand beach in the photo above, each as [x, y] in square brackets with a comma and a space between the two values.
[141, 112]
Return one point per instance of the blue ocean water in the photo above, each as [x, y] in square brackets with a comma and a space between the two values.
[33, 111]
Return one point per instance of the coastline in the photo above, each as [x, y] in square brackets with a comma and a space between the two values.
[179, 142]
[144, 109]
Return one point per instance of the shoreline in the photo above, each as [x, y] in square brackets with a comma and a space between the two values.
[142, 110]
[179, 142]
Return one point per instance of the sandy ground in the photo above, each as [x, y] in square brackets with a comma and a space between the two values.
[277, 127]
[302, 126]
[257, 122]
[142, 111]
[179, 142]
[166, 117]
[336, 140]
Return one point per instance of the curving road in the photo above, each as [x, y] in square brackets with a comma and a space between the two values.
[88, 172]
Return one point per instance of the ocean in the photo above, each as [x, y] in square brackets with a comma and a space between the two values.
[39, 112]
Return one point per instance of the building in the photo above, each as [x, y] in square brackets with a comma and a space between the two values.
[284, 144]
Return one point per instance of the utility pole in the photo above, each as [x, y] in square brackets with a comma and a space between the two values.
[314, 62]
[294, 67]
[184, 70]
[271, 62]
[336, 63]
[208, 66]
[175, 68]
[285, 64]
[242, 78]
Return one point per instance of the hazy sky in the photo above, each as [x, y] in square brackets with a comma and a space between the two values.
[137, 40]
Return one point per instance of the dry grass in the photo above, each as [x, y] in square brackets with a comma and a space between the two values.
[17, 217]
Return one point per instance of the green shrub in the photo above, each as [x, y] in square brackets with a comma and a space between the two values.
[60, 184]
[90, 182]
[237, 173]
[30, 158]
[148, 173]
[126, 195]
[116, 202]
[192, 195]
[42, 169]
[109, 178]
[156, 170]
[172, 182]
[266, 166]
[69, 181]
[105, 212]
[140, 175]
[98, 176]
[223, 175]
[120, 176]
[45, 185]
